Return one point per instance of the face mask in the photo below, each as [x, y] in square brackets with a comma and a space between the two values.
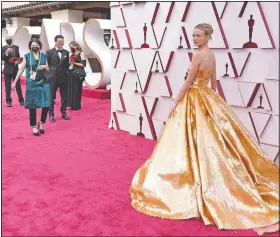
[72, 50]
[9, 42]
[35, 49]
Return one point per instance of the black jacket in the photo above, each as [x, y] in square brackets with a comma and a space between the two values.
[9, 68]
[59, 67]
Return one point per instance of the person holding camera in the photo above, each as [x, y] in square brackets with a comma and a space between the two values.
[37, 86]
[11, 57]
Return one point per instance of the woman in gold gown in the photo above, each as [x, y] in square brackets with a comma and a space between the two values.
[205, 164]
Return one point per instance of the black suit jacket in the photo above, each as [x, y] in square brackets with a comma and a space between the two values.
[9, 68]
[58, 67]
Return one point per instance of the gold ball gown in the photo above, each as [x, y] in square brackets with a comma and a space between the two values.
[206, 165]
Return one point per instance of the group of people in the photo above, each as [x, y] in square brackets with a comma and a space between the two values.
[45, 73]
[205, 164]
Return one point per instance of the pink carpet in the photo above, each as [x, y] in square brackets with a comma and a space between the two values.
[74, 180]
[101, 94]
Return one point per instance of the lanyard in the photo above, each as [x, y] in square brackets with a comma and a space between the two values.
[35, 60]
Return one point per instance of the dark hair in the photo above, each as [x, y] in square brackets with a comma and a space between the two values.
[36, 41]
[35, 37]
[57, 37]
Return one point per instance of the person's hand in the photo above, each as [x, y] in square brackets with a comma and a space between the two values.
[20, 60]
[9, 50]
[42, 67]
[13, 86]
[72, 62]
[47, 68]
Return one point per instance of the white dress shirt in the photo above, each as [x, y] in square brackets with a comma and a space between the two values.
[59, 53]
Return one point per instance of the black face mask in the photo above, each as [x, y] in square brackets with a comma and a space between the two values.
[9, 42]
[72, 50]
[35, 49]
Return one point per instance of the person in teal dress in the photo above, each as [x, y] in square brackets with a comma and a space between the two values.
[37, 87]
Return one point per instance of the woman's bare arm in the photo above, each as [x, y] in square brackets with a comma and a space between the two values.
[214, 78]
[190, 78]
[22, 67]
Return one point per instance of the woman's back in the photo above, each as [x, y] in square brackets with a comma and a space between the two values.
[207, 63]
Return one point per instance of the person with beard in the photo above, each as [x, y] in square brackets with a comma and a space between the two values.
[10, 70]
[58, 61]
[37, 90]
[77, 59]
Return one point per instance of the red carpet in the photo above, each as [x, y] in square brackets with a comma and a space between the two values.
[101, 94]
[74, 180]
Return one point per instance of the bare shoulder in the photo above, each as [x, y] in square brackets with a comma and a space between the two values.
[210, 55]
[198, 56]
[213, 56]
[83, 57]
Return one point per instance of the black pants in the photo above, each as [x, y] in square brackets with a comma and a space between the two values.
[63, 88]
[8, 85]
[32, 116]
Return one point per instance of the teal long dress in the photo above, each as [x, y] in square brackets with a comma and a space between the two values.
[37, 94]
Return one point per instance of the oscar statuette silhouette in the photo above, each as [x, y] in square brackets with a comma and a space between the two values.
[112, 47]
[180, 46]
[112, 127]
[140, 134]
[156, 67]
[250, 44]
[145, 45]
[260, 106]
[136, 90]
[226, 74]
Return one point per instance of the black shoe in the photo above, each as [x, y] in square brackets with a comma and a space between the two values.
[42, 131]
[37, 134]
[9, 104]
[21, 103]
[65, 116]
[52, 118]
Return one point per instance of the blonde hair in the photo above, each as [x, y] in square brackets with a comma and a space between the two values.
[207, 28]
[76, 44]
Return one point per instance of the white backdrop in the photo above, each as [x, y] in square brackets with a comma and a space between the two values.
[89, 35]
[252, 71]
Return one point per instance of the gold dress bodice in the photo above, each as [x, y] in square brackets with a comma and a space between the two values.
[202, 79]
[207, 165]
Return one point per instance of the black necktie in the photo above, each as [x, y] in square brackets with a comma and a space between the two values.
[59, 51]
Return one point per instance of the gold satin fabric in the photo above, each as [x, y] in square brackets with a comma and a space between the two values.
[206, 165]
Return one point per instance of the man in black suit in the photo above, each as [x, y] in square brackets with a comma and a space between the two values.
[58, 61]
[10, 70]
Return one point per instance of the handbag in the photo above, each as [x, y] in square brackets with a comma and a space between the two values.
[44, 75]
[79, 73]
